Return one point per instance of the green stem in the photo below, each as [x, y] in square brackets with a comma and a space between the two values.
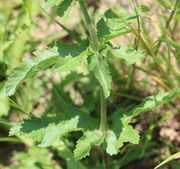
[104, 123]
[90, 26]
[167, 24]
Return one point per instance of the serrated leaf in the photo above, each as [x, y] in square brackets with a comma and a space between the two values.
[30, 66]
[99, 66]
[128, 54]
[46, 130]
[63, 9]
[43, 60]
[116, 23]
[121, 131]
[51, 3]
[84, 144]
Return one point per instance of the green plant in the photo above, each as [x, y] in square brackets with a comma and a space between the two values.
[96, 54]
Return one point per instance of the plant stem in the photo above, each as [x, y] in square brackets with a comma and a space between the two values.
[104, 123]
[90, 26]
[105, 160]
[167, 24]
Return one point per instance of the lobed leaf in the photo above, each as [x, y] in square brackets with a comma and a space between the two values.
[84, 144]
[121, 131]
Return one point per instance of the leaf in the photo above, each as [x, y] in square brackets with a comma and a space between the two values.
[47, 130]
[63, 9]
[30, 66]
[65, 153]
[51, 3]
[105, 33]
[84, 144]
[99, 66]
[121, 132]
[68, 63]
[174, 156]
[155, 101]
[4, 102]
[43, 59]
[128, 54]
[116, 23]
[35, 158]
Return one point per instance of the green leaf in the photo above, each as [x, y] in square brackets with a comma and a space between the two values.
[99, 66]
[4, 102]
[121, 132]
[68, 63]
[76, 54]
[155, 101]
[35, 158]
[128, 54]
[47, 130]
[51, 3]
[84, 144]
[30, 66]
[43, 60]
[105, 33]
[65, 152]
[174, 156]
[63, 9]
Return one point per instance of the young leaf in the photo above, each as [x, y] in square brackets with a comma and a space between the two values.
[85, 143]
[63, 8]
[128, 54]
[99, 66]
